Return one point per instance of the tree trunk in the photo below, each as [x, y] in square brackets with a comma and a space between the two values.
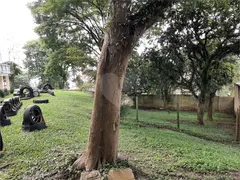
[200, 111]
[103, 139]
[210, 107]
[121, 34]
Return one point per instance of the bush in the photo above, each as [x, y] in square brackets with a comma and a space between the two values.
[123, 110]
[2, 94]
[6, 92]
[11, 90]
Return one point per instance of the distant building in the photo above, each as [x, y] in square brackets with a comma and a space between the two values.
[4, 76]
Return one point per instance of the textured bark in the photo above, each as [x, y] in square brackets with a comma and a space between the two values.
[121, 34]
[210, 107]
[103, 140]
[200, 111]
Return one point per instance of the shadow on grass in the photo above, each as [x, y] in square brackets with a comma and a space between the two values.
[166, 127]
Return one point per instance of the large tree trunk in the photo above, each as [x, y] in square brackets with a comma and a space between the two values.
[122, 32]
[200, 110]
[210, 107]
[103, 139]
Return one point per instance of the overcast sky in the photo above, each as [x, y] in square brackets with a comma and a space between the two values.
[16, 28]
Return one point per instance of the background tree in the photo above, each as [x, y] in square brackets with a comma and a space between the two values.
[142, 76]
[199, 36]
[22, 80]
[137, 79]
[36, 59]
[220, 74]
[54, 66]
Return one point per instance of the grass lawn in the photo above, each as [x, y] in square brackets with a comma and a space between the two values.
[153, 153]
[221, 129]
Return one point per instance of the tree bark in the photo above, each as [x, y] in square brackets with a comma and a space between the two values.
[200, 111]
[103, 139]
[210, 107]
[121, 34]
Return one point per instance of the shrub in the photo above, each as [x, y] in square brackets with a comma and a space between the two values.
[6, 92]
[123, 110]
[2, 94]
[11, 90]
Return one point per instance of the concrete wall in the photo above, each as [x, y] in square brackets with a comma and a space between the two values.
[186, 102]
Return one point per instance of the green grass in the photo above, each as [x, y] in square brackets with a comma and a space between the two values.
[32, 153]
[152, 153]
[217, 130]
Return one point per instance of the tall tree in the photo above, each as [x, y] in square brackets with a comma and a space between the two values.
[71, 21]
[123, 30]
[199, 35]
[35, 59]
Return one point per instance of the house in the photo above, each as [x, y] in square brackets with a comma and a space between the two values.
[4, 76]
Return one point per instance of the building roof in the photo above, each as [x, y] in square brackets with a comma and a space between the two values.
[237, 83]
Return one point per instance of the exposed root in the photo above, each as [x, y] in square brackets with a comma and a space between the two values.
[80, 163]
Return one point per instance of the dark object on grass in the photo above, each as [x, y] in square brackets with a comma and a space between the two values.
[47, 88]
[38, 101]
[17, 102]
[9, 109]
[25, 98]
[50, 92]
[26, 91]
[33, 119]
[1, 142]
[36, 93]
[4, 121]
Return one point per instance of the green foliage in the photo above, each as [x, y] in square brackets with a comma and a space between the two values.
[71, 32]
[6, 92]
[2, 94]
[124, 110]
[88, 86]
[36, 58]
[137, 79]
[21, 80]
[11, 90]
[196, 42]
[80, 22]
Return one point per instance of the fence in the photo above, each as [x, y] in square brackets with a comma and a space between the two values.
[186, 102]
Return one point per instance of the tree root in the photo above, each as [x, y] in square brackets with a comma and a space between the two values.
[80, 163]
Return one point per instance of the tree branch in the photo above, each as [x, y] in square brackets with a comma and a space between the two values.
[148, 15]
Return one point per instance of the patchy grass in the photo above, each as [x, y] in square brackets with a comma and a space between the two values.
[153, 153]
[221, 129]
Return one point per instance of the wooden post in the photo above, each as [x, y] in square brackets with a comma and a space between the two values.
[178, 123]
[237, 135]
[137, 107]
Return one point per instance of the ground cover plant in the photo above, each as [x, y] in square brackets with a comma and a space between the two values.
[153, 153]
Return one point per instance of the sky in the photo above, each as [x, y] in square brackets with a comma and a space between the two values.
[16, 28]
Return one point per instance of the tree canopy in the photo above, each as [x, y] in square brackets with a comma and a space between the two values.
[197, 39]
